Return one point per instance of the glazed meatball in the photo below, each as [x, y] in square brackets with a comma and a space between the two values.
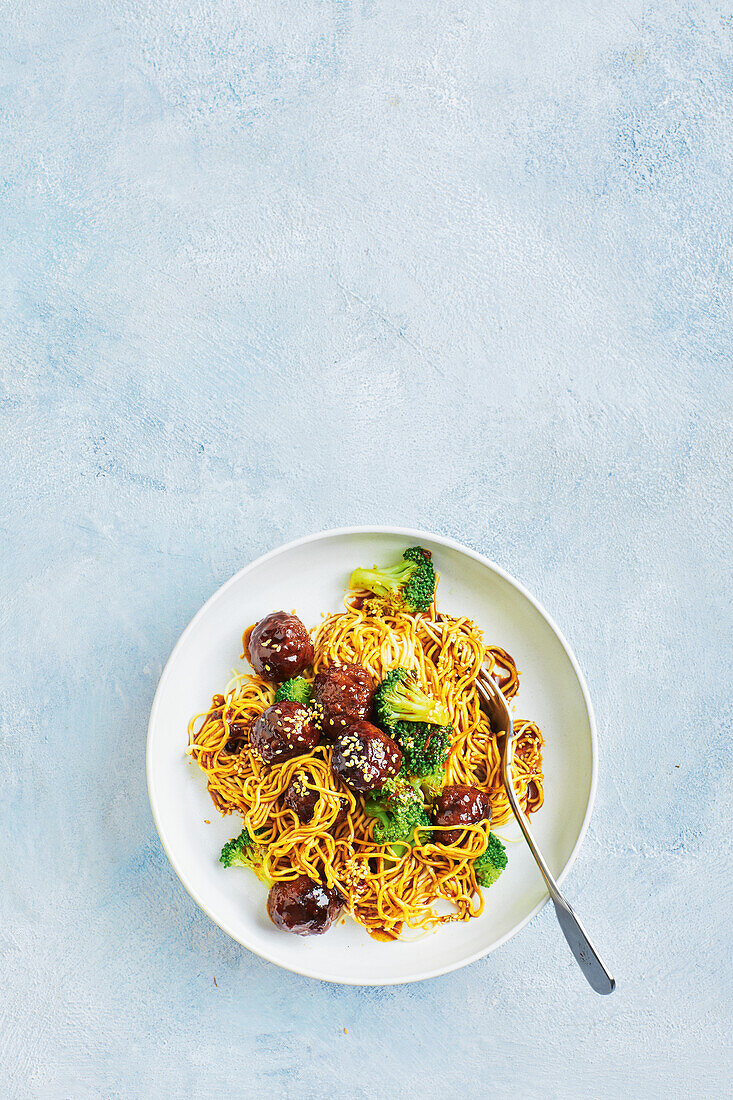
[364, 757]
[283, 730]
[345, 693]
[302, 800]
[304, 906]
[459, 805]
[279, 646]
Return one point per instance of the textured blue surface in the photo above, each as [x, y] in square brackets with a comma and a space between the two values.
[272, 268]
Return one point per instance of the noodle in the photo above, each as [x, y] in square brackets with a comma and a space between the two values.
[382, 893]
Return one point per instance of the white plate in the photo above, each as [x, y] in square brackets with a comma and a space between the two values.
[310, 575]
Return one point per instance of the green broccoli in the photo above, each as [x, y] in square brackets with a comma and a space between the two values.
[492, 861]
[432, 785]
[399, 808]
[409, 585]
[296, 690]
[400, 788]
[243, 851]
[397, 822]
[399, 698]
[424, 746]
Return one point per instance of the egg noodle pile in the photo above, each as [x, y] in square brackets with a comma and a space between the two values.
[382, 893]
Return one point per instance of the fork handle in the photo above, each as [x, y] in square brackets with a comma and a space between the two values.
[579, 942]
[585, 953]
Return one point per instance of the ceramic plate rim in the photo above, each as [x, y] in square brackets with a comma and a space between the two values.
[415, 535]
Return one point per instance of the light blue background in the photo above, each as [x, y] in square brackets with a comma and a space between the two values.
[268, 268]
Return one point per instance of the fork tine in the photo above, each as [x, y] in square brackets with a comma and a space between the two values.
[495, 707]
[483, 688]
[488, 688]
[486, 680]
[486, 693]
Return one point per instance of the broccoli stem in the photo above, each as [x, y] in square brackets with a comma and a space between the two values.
[383, 582]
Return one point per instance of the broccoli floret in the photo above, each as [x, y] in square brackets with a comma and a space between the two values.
[399, 698]
[411, 584]
[397, 823]
[399, 808]
[432, 785]
[401, 788]
[424, 746]
[424, 752]
[296, 690]
[243, 851]
[492, 861]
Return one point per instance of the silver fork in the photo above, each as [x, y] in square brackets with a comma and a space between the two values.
[495, 706]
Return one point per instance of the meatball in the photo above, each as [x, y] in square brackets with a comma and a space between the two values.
[364, 757]
[283, 730]
[459, 805]
[345, 693]
[279, 646]
[302, 800]
[304, 906]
